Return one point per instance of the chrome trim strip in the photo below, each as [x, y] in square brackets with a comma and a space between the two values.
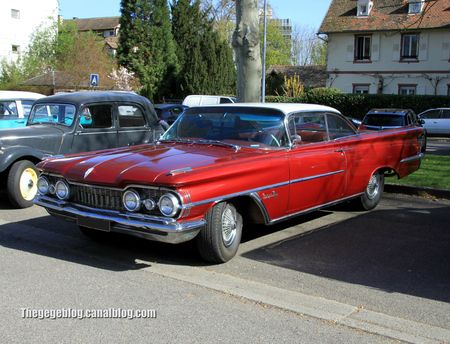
[167, 230]
[305, 211]
[179, 171]
[412, 158]
[316, 176]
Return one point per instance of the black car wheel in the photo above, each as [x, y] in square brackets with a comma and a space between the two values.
[218, 242]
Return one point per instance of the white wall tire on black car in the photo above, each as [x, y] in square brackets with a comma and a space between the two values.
[219, 241]
[372, 193]
[22, 184]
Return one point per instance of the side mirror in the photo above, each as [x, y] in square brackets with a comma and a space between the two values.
[421, 121]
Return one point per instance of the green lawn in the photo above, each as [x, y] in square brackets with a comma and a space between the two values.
[434, 172]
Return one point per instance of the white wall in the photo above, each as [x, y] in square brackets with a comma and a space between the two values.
[434, 55]
[33, 13]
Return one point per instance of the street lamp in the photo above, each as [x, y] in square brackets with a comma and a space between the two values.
[263, 81]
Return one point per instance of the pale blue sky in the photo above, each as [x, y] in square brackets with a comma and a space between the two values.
[301, 12]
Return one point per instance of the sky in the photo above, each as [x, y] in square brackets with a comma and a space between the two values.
[301, 12]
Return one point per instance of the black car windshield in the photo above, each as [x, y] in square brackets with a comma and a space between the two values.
[51, 113]
[380, 120]
[241, 126]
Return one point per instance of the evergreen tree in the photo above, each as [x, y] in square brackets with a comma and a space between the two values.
[146, 45]
[205, 59]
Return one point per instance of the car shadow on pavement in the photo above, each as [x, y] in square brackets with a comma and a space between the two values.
[404, 250]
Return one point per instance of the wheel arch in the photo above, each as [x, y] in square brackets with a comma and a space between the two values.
[250, 207]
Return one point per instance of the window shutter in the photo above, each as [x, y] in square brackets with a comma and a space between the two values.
[375, 47]
[423, 47]
[445, 55]
[350, 53]
[396, 51]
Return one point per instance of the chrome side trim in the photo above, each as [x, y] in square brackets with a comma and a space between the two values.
[179, 171]
[412, 158]
[309, 210]
[316, 176]
[148, 227]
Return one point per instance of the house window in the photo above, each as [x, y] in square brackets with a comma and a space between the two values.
[448, 89]
[363, 8]
[410, 46]
[407, 90]
[361, 88]
[15, 14]
[415, 6]
[15, 49]
[362, 48]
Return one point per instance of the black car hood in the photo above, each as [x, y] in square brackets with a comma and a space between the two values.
[47, 138]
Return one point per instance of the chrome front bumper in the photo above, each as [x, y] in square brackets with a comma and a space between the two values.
[143, 226]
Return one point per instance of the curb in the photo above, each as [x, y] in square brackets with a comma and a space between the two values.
[417, 191]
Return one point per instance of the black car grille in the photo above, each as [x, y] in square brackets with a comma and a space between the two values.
[97, 197]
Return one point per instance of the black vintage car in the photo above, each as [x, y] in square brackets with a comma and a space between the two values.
[72, 123]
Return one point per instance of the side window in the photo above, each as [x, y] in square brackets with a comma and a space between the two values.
[8, 108]
[432, 114]
[225, 100]
[446, 114]
[338, 127]
[98, 116]
[130, 116]
[27, 104]
[308, 128]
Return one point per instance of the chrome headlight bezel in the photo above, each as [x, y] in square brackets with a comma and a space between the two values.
[46, 189]
[166, 209]
[64, 186]
[137, 199]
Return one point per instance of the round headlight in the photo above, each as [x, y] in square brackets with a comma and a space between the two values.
[43, 185]
[131, 200]
[62, 190]
[169, 204]
[149, 204]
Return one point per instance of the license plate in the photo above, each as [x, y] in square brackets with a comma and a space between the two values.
[98, 224]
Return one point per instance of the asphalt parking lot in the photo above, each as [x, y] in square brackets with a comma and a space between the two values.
[331, 276]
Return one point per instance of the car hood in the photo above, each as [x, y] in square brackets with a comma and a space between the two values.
[147, 164]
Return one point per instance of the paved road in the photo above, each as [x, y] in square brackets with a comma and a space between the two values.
[438, 146]
[334, 276]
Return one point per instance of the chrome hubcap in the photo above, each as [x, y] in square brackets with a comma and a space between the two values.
[229, 225]
[28, 184]
[373, 188]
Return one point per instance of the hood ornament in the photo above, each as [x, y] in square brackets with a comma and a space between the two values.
[88, 172]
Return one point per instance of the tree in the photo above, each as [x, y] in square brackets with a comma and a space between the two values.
[247, 49]
[307, 47]
[278, 48]
[205, 58]
[146, 45]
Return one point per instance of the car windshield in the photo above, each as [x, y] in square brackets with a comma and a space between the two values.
[51, 113]
[384, 120]
[240, 126]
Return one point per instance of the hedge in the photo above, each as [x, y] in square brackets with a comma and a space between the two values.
[357, 105]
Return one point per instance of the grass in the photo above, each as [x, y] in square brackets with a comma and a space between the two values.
[434, 172]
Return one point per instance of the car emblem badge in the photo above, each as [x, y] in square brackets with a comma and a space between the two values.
[88, 172]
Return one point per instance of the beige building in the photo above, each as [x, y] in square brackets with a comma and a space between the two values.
[389, 46]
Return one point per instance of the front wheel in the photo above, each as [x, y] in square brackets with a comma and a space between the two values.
[218, 242]
[22, 184]
[373, 192]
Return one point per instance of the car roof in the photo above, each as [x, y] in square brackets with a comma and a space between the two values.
[20, 95]
[388, 111]
[168, 105]
[286, 108]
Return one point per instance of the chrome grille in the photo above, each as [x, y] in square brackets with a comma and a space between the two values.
[97, 197]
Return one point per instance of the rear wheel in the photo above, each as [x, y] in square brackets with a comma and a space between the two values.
[22, 184]
[218, 242]
[373, 192]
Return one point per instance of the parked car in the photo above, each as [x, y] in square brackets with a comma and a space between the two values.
[15, 106]
[219, 167]
[202, 100]
[169, 112]
[382, 119]
[436, 121]
[71, 123]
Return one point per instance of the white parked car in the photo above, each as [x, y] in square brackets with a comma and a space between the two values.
[436, 121]
[199, 100]
[15, 107]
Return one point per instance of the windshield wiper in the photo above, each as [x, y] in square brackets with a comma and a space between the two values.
[218, 143]
[177, 140]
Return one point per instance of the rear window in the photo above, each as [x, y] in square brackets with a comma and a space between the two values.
[384, 120]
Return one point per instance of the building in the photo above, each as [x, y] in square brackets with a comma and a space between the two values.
[18, 21]
[107, 27]
[389, 46]
[285, 25]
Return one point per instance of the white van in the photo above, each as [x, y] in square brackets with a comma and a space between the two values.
[199, 100]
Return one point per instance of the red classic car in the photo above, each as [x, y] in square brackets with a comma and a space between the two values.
[218, 167]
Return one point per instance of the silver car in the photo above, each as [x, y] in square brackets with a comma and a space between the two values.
[436, 121]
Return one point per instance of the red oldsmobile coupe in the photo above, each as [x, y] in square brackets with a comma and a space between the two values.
[218, 167]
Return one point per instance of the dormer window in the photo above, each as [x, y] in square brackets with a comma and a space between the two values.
[364, 8]
[415, 6]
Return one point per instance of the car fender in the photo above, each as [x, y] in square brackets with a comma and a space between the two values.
[9, 155]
